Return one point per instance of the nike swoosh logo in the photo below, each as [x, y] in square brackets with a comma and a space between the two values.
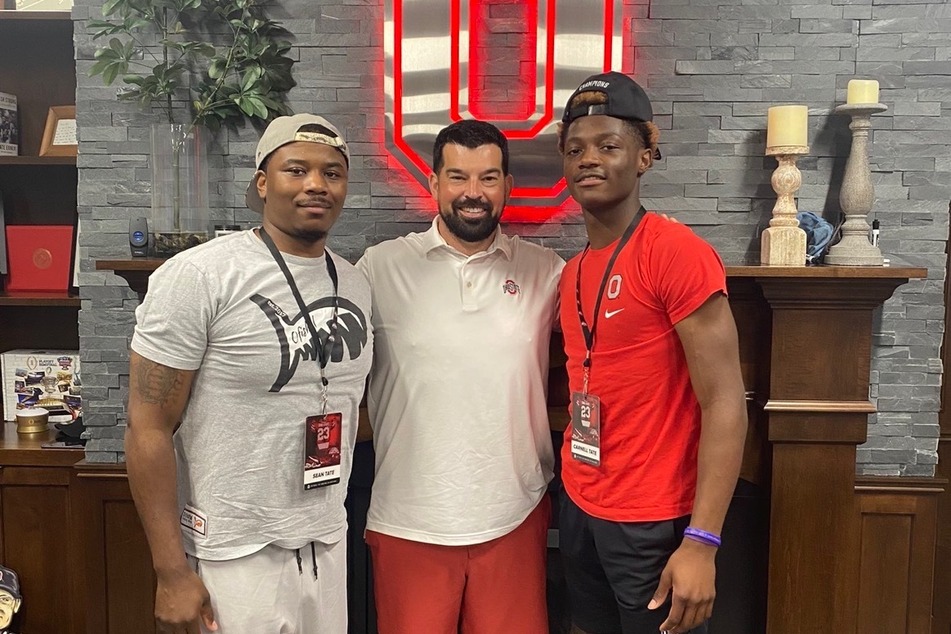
[608, 314]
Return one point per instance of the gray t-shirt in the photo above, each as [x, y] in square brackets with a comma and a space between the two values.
[226, 310]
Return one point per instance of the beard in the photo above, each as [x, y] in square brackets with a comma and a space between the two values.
[309, 236]
[470, 230]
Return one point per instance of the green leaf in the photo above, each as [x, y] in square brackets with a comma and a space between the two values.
[98, 24]
[252, 75]
[117, 29]
[106, 54]
[223, 112]
[205, 49]
[271, 104]
[172, 44]
[246, 106]
[217, 68]
[259, 108]
[109, 6]
[110, 73]
[99, 66]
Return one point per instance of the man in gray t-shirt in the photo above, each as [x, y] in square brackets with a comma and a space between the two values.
[248, 363]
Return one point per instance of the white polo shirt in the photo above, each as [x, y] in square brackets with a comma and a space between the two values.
[457, 395]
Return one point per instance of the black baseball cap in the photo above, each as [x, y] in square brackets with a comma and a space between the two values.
[9, 582]
[625, 99]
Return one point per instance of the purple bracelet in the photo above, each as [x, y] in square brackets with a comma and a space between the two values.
[702, 536]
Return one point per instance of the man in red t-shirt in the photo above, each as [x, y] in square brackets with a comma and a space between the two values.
[653, 452]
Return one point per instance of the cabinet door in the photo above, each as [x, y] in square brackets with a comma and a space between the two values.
[117, 592]
[36, 528]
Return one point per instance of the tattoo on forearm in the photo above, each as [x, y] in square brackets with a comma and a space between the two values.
[158, 384]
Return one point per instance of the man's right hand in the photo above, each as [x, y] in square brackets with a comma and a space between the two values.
[182, 604]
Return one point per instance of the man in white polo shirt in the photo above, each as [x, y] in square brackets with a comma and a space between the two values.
[462, 316]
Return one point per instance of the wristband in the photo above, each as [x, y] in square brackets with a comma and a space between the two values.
[702, 536]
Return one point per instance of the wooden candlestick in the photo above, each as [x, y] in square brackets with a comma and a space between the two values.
[783, 243]
[857, 194]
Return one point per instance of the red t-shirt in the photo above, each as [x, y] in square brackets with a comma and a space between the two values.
[650, 418]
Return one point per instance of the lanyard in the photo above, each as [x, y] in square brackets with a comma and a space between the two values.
[315, 340]
[587, 331]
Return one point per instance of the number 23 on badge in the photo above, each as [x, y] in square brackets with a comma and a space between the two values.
[586, 428]
[322, 450]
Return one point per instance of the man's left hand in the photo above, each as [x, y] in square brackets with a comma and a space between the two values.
[690, 573]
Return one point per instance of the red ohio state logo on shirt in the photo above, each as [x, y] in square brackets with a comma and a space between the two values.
[511, 287]
[440, 68]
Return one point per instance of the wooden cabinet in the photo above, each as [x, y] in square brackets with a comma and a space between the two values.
[36, 528]
[118, 587]
[71, 533]
[36, 49]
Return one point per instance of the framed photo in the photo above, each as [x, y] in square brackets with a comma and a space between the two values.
[59, 137]
[44, 5]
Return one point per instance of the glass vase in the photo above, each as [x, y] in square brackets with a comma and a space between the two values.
[180, 210]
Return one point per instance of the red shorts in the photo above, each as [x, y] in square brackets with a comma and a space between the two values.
[492, 588]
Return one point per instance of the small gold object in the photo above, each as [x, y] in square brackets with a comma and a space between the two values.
[32, 421]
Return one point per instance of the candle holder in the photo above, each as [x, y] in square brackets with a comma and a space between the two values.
[857, 194]
[783, 243]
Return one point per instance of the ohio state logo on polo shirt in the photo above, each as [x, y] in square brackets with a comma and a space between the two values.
[511, 288]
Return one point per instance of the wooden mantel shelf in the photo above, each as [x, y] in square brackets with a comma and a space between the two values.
[136, 271]
[133, 264]
[827, 272]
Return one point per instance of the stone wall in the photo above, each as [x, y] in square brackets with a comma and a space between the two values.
[711, 67]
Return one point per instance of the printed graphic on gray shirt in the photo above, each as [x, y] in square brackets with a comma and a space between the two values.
[295, 339]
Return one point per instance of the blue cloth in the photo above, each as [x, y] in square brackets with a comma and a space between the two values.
[819, 234]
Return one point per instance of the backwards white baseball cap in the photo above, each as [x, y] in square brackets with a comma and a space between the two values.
[284, 130]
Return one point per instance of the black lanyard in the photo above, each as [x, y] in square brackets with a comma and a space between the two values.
[587, 331]
[332, 272]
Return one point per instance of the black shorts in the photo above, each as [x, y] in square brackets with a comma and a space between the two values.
[613, 569]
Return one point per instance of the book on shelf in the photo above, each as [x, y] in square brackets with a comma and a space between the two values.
[9, 125]
[3, 240]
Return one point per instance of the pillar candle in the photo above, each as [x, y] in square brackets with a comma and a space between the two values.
[787, 125]
[862, 91]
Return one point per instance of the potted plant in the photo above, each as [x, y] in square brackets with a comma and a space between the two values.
[204, 63]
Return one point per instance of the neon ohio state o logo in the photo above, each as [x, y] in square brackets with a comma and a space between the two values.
[431, 74]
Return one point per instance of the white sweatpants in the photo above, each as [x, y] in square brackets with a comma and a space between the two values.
[267, 593]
